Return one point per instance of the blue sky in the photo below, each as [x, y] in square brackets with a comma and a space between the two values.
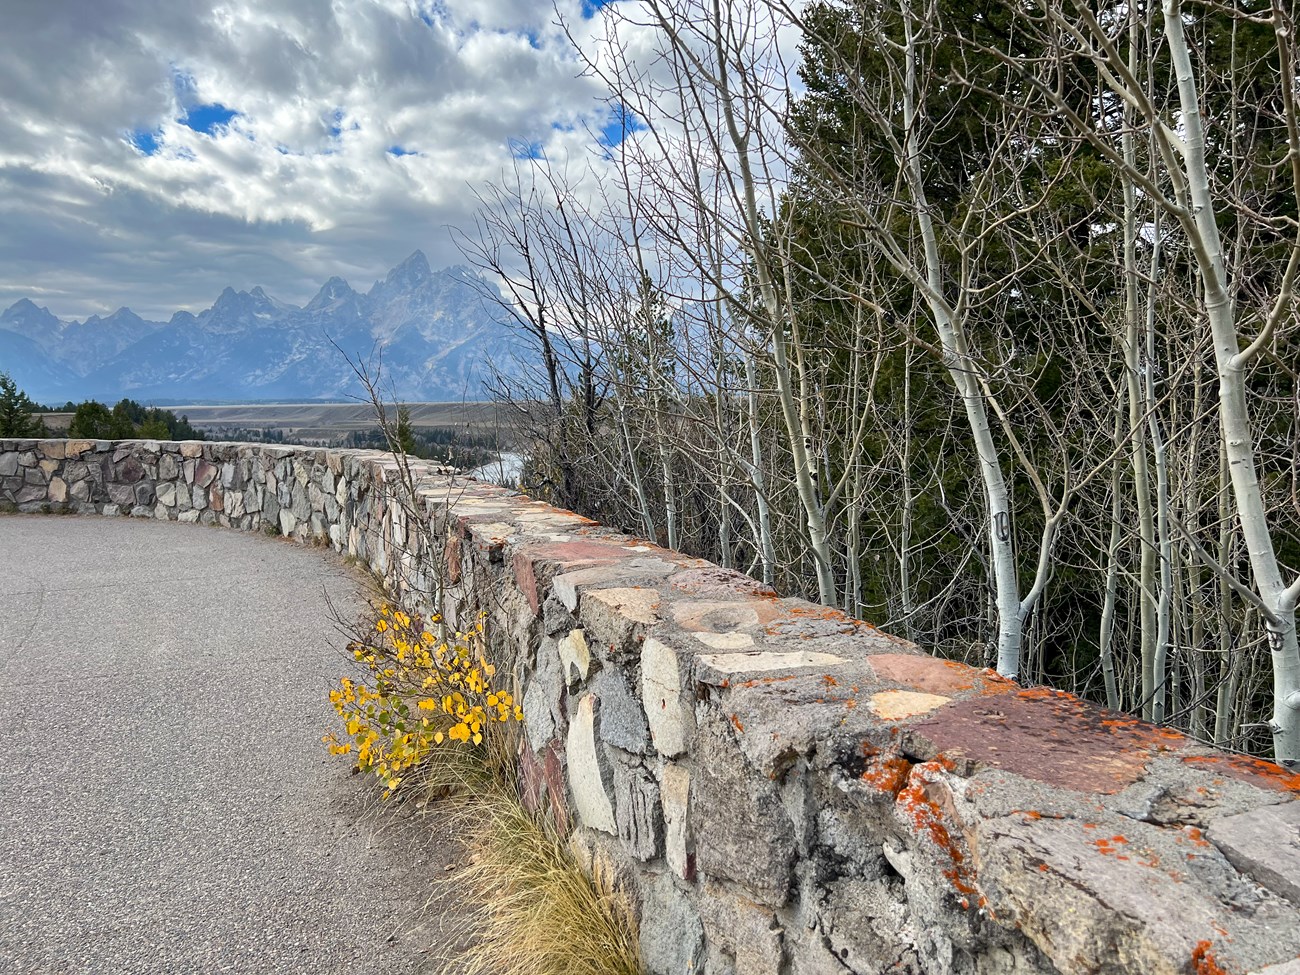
[153, 151]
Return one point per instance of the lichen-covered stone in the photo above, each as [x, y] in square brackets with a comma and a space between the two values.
[672, 937]
[622, 721]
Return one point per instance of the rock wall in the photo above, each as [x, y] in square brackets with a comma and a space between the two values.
[777, 788]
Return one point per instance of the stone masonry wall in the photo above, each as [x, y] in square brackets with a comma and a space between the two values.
[777, 788]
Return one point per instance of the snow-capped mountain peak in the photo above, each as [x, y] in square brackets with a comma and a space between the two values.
[432, 329]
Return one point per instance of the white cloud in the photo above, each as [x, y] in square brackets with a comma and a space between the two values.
[301, 183]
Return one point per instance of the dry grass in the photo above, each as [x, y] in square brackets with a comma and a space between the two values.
[535, 911]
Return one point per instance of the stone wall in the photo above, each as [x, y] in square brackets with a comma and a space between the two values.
[779, 789]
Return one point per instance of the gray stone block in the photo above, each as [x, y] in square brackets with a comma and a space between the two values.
[741, 828]
[622, 721]
[1264, 844]
[672, 937]
[637, 810]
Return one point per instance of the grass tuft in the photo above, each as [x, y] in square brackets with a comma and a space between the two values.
[539, 913]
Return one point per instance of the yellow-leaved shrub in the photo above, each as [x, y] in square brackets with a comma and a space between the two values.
[425, 690]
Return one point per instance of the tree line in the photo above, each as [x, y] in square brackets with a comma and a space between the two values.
[20, 416]
[974, 319]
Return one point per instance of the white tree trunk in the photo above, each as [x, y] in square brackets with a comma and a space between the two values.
[1279, 600]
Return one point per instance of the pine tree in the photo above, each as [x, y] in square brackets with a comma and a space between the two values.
[17, 412]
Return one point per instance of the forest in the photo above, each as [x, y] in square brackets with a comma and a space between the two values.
[976, 320]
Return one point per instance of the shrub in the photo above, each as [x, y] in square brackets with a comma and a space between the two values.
[423, 692]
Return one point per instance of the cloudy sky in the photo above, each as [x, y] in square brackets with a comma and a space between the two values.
[154, 151]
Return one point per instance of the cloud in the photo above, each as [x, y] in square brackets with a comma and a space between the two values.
[152, 152]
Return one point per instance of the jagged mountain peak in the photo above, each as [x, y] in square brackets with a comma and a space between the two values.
[415, 266]
[330, 293]
[432, 328]
[26, 311]
[408, 276]
[23, 306]
[123, 316]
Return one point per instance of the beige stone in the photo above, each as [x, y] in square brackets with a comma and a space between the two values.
[726, 641]
[671, 723]
[729, 665]
[631, 603]
[675, 793]
[589, 770]
[896, 705]
[575, 656]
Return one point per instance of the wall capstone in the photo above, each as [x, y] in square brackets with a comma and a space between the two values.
[780, 789]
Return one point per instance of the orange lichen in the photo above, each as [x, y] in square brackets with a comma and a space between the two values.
[755, 681]
[829, 681]
[926, 818]
[735, 720]
[1046, 694]
[1204, 962]
[888, 774]
[1253, 770]
[1190, 834]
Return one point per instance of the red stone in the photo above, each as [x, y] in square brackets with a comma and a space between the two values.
[557, 557]
[532, 781]
[1049, 736]
[936, 676]
[555, 787]
[1256, 771]
[453, 560]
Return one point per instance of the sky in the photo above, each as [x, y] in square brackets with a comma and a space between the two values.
[153, 152]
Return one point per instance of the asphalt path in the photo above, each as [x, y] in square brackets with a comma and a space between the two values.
[166, 804]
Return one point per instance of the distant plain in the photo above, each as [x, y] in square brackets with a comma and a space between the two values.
[313, 422]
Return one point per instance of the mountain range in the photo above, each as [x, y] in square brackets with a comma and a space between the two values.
[432, 332]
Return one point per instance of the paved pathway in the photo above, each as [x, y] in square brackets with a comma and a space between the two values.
[166, 805]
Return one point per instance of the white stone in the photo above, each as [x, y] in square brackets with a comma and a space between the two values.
[588, 770]
[167, 494]
[675, 792]
[288, 521]
[633, 603]
[575, 656]
[671, 724]
[726, 641]
[715, 667]
[565, 586]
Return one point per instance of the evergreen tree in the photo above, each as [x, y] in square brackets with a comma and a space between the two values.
[17, 412]
[404, 435]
